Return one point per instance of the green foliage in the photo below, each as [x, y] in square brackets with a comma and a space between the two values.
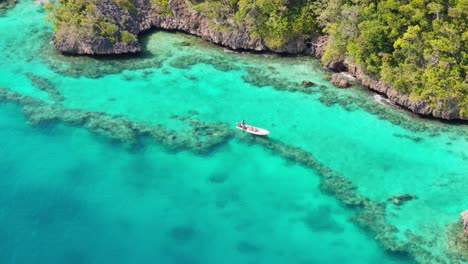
[128, 5]
[418, 46]
[276, 21]
[73, 16]
[162, 7]
[127, 37]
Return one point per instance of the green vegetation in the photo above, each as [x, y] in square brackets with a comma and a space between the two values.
[79, 19]
[275, 21]
[128, 5]
[127, 37]
[420, 47]
[161, 7]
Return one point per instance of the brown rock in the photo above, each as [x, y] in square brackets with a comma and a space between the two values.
[183, 18]
[306, 83]
[450, 111]
[399, 199]
[464, 216]
[339, 80]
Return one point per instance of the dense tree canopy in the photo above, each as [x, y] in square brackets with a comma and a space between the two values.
[80, 19]
[276, 21]
[418, 46]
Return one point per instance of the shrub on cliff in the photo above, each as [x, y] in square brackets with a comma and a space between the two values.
[161, 7]
[127, 37]
[275, 21]
[75, 16]
[92, 22]
[128, 5]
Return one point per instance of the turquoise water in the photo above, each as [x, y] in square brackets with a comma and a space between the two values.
[74, 194]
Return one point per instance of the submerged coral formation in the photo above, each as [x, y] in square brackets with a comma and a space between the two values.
[371, 215]
[201, 138]
[399, 199]
[45, 85]
[5, 5]
[350, 101]
[261, 78]
[218, 62]
[94, 67]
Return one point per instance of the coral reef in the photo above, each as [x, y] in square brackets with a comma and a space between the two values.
[423, 252]
[457, 241]
[201, 138]
[45, 85]
[5, 5]
[307, 83]
[218, 62]
[412, 138]
[182, 233]
[370, 214]
[399, 199]
[247, 247]
[218, 177]
[94, 67]
[268, 77]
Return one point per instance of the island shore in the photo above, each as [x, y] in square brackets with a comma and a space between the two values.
[182, 17]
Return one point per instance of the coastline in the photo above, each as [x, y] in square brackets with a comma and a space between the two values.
[238, 38]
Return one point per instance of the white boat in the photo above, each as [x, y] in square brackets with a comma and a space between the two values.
[252, 130]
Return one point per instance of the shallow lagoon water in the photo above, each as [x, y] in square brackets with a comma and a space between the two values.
[74, 196]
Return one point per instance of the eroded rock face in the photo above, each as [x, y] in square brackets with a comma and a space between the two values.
[80, 41]
[444, 110]
[339, 80]
[191, 21]
[337, 66]
[183, 18]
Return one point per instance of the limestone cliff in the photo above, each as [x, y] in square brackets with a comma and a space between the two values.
[235, 36]
[444, 109]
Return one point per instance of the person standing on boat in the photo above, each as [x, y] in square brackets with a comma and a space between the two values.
[243, 124]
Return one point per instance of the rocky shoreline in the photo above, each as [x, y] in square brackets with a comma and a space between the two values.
[185, 19]
[422, 108]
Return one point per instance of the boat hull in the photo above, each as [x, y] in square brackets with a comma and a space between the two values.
[253, 130]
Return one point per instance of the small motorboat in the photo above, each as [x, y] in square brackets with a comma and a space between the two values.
[252, 130]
